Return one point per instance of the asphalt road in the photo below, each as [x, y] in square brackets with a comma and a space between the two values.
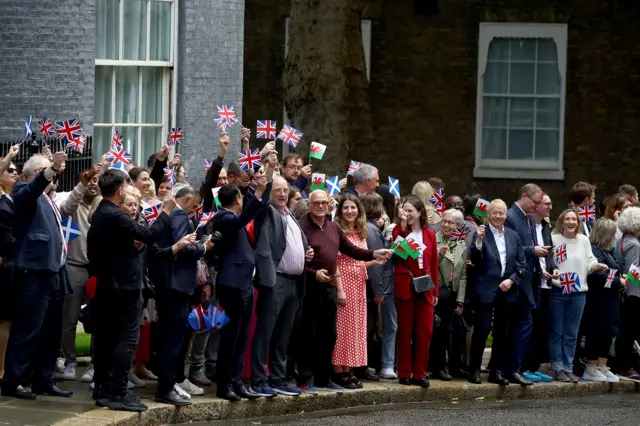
[623, 409]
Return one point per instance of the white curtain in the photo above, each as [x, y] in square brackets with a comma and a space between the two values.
[135, 30]
[160, 29]
[107, 29]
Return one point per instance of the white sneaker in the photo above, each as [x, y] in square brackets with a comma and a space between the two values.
[611, 378]
[137, 382]
[92, 386]
[87, 377]
[60, 365]
[130, 385]
[593, 374]
[388, 373]
[70, 371]
[190, 388]
[181, 392]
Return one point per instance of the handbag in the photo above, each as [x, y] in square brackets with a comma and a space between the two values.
[202, 273]
[421, 284]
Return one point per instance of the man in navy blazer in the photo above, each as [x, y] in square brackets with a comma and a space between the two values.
[41, 275]
[499, 265]
[234, 288]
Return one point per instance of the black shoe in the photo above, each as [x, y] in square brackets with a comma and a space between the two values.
[367, 375]
[172, 398]
[519, 380]
[406, 382]
[125, 403]
[344, 380]
[17, 392]
[423, 383]
[353, 379]
[496, 377]
[474, 377]
[444, 376]
[241, 391]
[228, 394]
[51, 390]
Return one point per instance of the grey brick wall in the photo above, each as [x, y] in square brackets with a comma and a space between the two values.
[47, 54]
[210, 61]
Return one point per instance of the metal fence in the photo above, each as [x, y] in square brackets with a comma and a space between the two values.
[76, 163]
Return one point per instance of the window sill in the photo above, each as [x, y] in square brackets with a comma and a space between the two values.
[518, 174]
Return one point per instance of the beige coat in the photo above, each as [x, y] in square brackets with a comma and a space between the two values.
[456, 260]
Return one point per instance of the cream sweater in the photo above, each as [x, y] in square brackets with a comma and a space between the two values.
[580, 258]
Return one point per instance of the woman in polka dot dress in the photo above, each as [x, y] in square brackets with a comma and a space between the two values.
[351, 344]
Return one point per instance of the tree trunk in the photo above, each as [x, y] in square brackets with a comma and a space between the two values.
[325, 81]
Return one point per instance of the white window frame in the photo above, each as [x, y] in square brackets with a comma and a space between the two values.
[520, 169]
[169, 70]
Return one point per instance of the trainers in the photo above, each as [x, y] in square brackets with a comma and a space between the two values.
[388, 373]
[544, 378]
[284, 388]
[262, 389]
[199, 379]
[70, 371]
[611, 378]
[87, 377]
[561, 376]
[572, 377]
[631, 375]
[332, 387]
[531, 376]
[593, 374]
[60, 365]
[190, 388]
[181, 392]
[137, 382]
[309, 388]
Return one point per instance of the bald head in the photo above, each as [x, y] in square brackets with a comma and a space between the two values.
[318, 204]
[497, 213]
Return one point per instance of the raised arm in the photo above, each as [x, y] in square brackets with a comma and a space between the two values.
[8, 159]
[348, 248]
[211, 179]
[26, 196]
[157, 171]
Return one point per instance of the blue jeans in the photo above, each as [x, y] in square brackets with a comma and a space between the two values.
[565, 312]
[389, 330]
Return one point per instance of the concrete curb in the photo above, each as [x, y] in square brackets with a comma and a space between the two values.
[209, 409]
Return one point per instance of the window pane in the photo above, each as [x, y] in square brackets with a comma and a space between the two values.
[101, 142]
[135, 30]
[151, 94]
[496, 77]
[495, 112]
[498, 50]
[548, 79]
[547, 50]
[548, 113]
[107, 29]
[126, 95]
[104, 77]
[522, 78]
[151, 141]
[521, 113]
[520, 144]
[130, 141]
[494, 144]
[523, 50]
[547, 144]
[160, 37]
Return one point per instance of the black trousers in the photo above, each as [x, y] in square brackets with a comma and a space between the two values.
[538, 352]
[629, 331]
[483, 313]
[446, 339]
[117, 315]
[173, 311]
[597, 347]
[36, 330]
[238, 304]
[319, 313]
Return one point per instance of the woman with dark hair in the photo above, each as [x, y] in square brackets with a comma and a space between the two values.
[164, 188]
[295, 195]
[615, 205]
[140, 178]
[390, 205]
[469, 201]
[415, 310]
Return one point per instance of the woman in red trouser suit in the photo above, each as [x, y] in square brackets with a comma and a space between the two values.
[415, 312]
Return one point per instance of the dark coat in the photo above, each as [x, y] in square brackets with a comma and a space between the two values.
[524, 225]
[8, 292]
[380, 276]
[185, 266]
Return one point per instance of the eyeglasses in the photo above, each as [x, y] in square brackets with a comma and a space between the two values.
[547, 204]
[320, 203]
[537, 203]
[281, 191]
[448, 222]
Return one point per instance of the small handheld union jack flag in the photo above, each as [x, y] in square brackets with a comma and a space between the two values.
[610, 278]
[207, 165]
[77, 144]
[587, 213]
[46, 127]
[353, 166]
[170, 175]
[197, 211]
[152, 213]
[226, 117]
[570, 282]
[460, 234]
[560, 253]
[437, 199]
[118, 155]
[116, 141]
[249, 159]
[204, 219]
[266, 129]
[68, 130]
[290, 135]
[175, 136]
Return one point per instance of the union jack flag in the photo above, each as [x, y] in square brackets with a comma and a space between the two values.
[437, 199]
[249, 159]
[68, 129]
[587, 213]
[46, 127]
[175, 136]
[207, 165]
[266, 129]
[560, 253]
[570, 282]
[290, 135]
[77, 144]
[117, 155]
[169, 174]
[353, 166]
[117, 139]
[204, 219]
[152, 213]
[610, 278]
[197, 211]
[460, 234]
[226, 117]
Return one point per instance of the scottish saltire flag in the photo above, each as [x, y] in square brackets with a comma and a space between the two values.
[204, 219]
[207, 165]
[46, 127]
[333, 185]
[70, 229]
[394, 186]
[610, 277]
[249, 159]
[437, 199]
[116, 140]
[77, 144]
[353, 166]
[118, 155]
[560, 253]
[570, 282]
[290, 135]
[175, 136]
[266, 129]
[460, 234]
[68, 130]
[170, 175]
[27, 128]
[226, 117]
[587, 213]
[152, 213]
[119, 165]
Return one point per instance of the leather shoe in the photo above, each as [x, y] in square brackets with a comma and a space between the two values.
[172, 398]
[406, 382]
[228, 394]
[17, 392]
[423, 383]
[51, 390]
[241, 391]
[519, 380]
[444, 376]
[497, 378]
[474, 377]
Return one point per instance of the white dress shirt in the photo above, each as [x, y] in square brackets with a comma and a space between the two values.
[500, 243]
[542, 260]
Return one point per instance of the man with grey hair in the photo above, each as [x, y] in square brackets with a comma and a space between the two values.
[365, 179]
[41, 275]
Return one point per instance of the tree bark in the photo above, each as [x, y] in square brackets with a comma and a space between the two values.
[325, 81]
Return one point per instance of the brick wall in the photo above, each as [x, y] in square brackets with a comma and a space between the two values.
[423, 88]
[46, 62]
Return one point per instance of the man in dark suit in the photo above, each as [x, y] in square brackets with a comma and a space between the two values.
[499, 266]
[281, 252]
[233, 283]
[41, 275]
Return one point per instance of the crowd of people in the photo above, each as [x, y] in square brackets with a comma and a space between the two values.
[315, 291]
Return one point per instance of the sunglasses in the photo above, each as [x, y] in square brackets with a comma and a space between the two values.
[12, 170]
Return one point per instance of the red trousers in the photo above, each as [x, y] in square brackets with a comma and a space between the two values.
[143, 350]
[415, 327]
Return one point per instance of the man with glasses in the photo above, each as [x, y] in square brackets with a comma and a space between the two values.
[295, 174]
